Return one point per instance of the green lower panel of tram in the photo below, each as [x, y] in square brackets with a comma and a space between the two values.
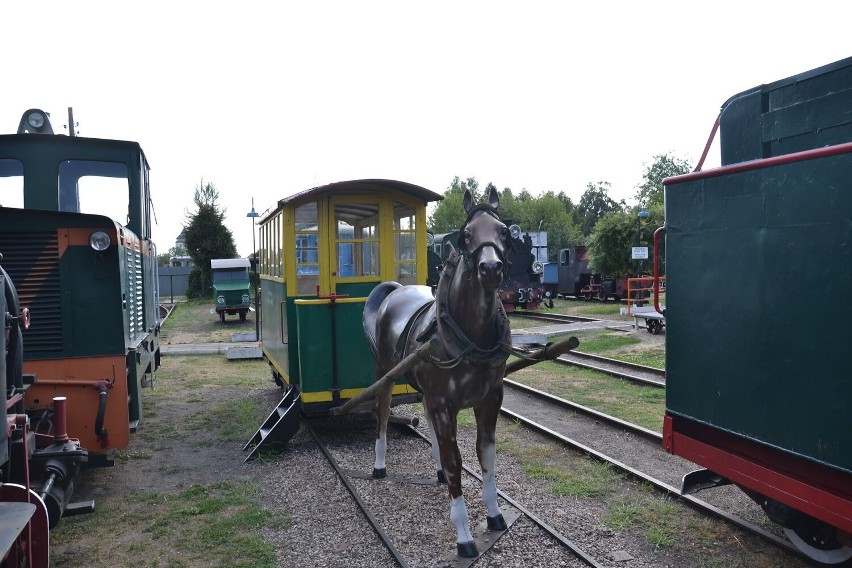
[335, 361]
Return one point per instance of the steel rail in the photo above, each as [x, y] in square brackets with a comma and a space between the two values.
[566, 360]
[541, 523]
[670, 490]
[383, 536]
[559, 318]
[596, 414]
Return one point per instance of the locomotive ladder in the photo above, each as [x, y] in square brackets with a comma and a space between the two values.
[279, 427]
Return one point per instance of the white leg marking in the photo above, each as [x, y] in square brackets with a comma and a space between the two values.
[458, 515]
[381, 449]
[489, 480]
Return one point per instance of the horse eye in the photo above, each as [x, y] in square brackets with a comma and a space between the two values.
[466, 235]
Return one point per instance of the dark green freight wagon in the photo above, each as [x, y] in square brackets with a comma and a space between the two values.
[759, 281]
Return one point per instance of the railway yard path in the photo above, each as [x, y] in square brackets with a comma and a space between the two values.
[180, 495]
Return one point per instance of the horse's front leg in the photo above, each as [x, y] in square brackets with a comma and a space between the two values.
[383, 403]
[436, 452]
[486, 450]
[444, 425]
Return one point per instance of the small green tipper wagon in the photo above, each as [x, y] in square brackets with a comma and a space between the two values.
[231, 286]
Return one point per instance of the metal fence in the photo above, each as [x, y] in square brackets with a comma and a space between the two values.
[173, 281]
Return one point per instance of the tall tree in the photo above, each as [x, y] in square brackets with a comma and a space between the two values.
[610, 244]
[594, 204]
[650, 192]
[449, 214]
[207, 238]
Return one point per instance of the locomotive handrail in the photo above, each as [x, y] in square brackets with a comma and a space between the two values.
[657, 234]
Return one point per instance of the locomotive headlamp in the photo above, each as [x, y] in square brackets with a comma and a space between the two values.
[99, 241]
[35, 119]
[246, 299]
[220, 300]
[537, 267]
[515, 231]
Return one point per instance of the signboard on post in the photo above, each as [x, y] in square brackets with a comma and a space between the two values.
[640, 253]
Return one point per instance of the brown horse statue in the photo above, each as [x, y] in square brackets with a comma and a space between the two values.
[467, 365]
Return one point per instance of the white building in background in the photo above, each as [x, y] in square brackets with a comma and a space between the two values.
[180, 259]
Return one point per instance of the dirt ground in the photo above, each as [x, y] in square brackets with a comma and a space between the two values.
[165, 502]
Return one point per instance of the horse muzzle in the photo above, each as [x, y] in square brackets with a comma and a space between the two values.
[490, 274]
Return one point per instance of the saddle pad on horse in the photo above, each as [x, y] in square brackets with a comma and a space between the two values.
[408, 302]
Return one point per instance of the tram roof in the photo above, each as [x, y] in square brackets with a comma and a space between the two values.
[367, 185]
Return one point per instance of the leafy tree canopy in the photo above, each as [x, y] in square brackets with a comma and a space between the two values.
[449, 214]
[553, 213]
[650, 192]
[594, 204]
[207, 238]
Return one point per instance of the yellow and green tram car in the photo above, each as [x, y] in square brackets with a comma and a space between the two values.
[321, 253]
[75, 234]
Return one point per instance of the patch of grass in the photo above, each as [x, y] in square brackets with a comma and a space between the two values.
[659, 519]
[643, 405]
[220, 522]
[127, 456]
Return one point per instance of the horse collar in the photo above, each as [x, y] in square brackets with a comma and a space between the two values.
[453, 339]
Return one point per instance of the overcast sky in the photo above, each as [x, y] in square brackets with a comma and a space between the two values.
[268, 99]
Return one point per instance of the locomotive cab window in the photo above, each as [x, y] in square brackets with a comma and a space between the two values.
[11, 184]
[357, 236]
[404, 244]
[99, 188]
[307, 249]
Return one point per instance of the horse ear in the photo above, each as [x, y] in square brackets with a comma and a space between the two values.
[468, 201]
[493, 197]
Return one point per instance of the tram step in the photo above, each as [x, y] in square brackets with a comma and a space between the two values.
[279, 427]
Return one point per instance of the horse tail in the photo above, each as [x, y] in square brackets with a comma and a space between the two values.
[371, 311]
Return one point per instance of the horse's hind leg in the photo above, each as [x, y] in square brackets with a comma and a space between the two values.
[383, 402]
[486, 451]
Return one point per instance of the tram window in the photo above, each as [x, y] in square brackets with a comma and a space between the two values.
[404, 244]
[98, 188]
[11, 184]
[307, 247]
[357, 239]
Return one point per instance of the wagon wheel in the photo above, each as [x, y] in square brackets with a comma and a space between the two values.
[653, 326]
[819, 543]
[602, 294]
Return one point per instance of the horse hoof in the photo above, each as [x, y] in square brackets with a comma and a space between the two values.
[467, 549]
[441, 477]
[380, 473]
[497, 523]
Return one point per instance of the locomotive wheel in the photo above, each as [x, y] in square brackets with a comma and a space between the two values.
[588, 296]
[222, 316]
[824, 549]
[654, 327]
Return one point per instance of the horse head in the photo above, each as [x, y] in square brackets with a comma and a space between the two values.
[484, 241]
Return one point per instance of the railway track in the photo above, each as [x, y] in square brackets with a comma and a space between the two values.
[552, 318]
[633, 372]
[359, 484]
[630, 448]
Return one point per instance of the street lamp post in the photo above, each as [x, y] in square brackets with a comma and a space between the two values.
[643, 214]
[254, 215]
